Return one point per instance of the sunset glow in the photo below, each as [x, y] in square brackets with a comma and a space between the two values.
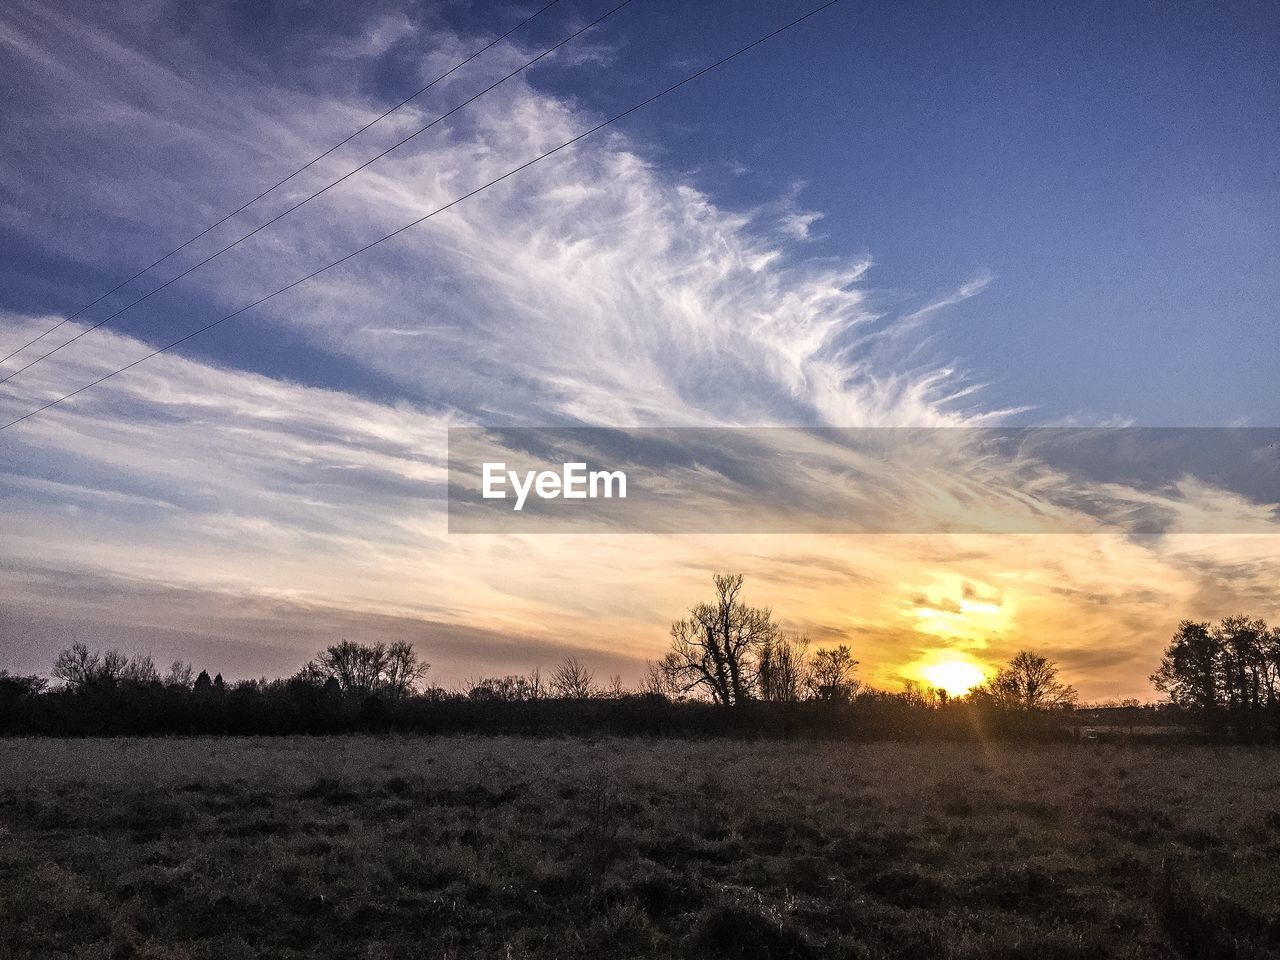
[957, 677]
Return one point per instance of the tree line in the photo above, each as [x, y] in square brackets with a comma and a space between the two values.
[730, 669]
[1226, 674]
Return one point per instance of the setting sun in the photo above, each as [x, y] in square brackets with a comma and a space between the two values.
[957, 677]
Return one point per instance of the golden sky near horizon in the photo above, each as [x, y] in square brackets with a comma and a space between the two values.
[944, 610]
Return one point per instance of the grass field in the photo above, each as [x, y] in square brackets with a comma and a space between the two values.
[469, 847]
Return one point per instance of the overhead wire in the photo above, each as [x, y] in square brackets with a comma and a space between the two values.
[280, 216]
[438, 210]
[280, 183]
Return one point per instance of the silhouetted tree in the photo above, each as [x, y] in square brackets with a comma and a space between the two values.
[21, 685]
[783, 672]
[1190, 670]
[362, 670]
[716, 649]
[140, 669]
[658, 680]
[1030, 682]
[13, 686]
[14, 690]
[1247, 679]
[572, 680]
[615, 689]
[534, 686]
[203, 685]
[180, 675]
[831, 674]
[925, 695]
[77, 666]
[403, 670]
[508, 689]
[356, 667]
[1224, 673]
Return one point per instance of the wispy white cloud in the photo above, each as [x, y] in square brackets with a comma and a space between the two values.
[970, 288]
[798, 225]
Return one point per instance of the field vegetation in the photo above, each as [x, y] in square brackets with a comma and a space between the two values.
[452, 847]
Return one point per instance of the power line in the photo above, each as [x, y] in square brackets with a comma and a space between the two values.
[355, 253]
[280, 216]
[314, 160]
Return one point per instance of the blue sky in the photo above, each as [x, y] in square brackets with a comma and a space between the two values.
[917, 214]
[1109, 166]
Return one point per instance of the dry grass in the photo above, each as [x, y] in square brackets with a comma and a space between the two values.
[469, 847]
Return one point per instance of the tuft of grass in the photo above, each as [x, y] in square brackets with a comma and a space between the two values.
[330, 790]
[908, 888]
[1203, 924]
[743, 932]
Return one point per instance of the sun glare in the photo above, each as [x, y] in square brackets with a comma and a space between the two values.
[957, 677]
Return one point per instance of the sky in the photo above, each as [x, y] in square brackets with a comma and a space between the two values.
[917, 215]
